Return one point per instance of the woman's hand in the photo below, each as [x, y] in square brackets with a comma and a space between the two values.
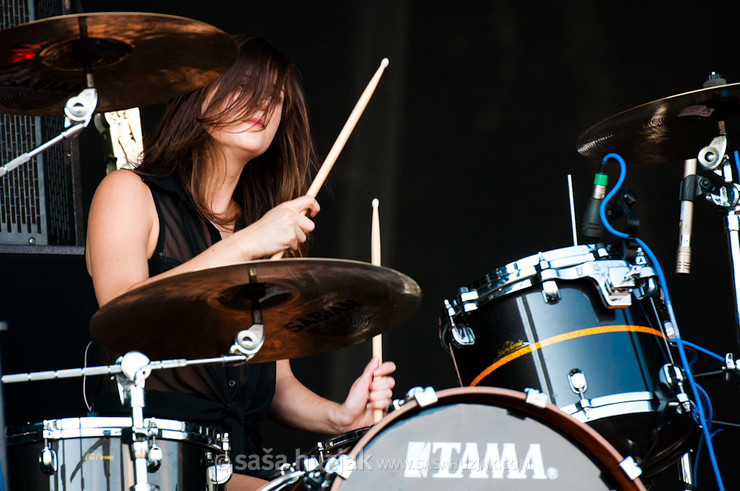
[283, 227]
[372, 390]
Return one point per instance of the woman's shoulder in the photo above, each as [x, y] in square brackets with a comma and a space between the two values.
[122, 177]
[122, 184]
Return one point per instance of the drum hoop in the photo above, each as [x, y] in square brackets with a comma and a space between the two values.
[576, 432]
[108, 426]
[590, 331]
[564, 257]
[584, 262]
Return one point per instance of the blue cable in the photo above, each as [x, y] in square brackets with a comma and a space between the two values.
[737, 164]
[710, 411]
[705, 351]
[669, 307]
[696, 457]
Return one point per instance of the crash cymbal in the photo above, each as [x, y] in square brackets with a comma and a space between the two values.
[667, 130]
[136, 59]
[308, 306]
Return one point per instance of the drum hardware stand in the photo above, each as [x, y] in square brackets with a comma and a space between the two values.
[78, 113]
[134, 371]
[685, 475]
[730, 371]
[131, 372]
[219, 470]
[249, 341]
[725, 196]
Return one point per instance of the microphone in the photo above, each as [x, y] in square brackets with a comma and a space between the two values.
[591, 225]
[686, 218]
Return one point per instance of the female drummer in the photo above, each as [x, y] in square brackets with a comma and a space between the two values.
[222, 181]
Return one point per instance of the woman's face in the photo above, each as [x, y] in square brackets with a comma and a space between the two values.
[247, 139]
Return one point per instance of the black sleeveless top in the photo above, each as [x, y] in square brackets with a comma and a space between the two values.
[228, 398]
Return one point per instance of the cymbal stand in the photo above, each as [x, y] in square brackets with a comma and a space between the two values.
[131, 372]
[726, 197]
[248, 341]
[134, 371]
[78, 111]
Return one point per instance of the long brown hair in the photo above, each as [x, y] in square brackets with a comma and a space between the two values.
[181, 144]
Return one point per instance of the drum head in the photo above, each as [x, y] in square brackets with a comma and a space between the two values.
[484, 438]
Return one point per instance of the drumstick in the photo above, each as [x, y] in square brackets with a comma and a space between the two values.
[375, 260]
[343, 137]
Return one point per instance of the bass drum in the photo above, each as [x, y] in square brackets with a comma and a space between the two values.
[484, 438]
[92, 453]
[585, 327]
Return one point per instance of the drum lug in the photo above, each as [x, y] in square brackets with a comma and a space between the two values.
[630, 468]
[154, 458]
[462, 335]
[550, 291]
[673, 377]
[48, 460]
[219, 468]
[579, 385]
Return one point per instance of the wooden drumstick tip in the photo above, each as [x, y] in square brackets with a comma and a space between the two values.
[376, 202]
[384, 62]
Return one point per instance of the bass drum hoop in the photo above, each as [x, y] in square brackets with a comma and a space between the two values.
[578, 433]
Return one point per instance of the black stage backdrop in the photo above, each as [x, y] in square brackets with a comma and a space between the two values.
[467, 143]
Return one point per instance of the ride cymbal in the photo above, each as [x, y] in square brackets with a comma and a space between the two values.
[307, 306]
[136, 59]
[672, 129]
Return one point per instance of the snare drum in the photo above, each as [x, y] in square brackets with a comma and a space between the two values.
[586, 328]
[93, 453]
[484, 438]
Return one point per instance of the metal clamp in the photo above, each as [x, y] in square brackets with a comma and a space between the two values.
[630, 468]
[535, 397]
[423, 396]
[249, 341]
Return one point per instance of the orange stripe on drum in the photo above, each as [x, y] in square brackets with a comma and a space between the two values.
[559, 338]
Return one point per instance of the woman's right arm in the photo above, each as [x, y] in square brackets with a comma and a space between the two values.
[123, 229]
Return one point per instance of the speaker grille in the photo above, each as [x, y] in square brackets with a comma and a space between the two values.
[37, 199]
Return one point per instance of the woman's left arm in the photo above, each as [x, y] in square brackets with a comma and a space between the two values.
[296, 406]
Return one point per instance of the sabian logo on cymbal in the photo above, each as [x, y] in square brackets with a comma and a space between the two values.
[322, 316]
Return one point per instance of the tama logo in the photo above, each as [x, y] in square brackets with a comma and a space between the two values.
[458, 460]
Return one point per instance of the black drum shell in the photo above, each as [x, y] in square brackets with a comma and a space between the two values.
[620, 350]
[98, 456]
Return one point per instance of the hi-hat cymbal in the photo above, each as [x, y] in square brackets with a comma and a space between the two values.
[136, 59]
[672, 129]
[308, 306]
